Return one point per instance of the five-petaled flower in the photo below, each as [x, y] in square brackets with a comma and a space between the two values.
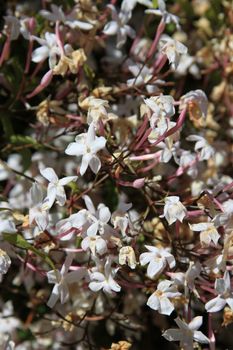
[225, 294]
[55, 188]
[174, 210]
[186, 333]
[62, 279]
[87, 145]
[158, 259]
[160, 299]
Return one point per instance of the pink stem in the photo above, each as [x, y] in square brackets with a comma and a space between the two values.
[159, 32]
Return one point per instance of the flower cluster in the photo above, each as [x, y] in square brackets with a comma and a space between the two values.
[116, 196]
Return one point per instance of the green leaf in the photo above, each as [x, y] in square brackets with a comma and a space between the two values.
[155, 3]
[20, 242]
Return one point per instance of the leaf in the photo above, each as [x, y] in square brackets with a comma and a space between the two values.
[18, 240]
[155, 3]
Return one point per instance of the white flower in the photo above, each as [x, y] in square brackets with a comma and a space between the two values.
[127, 256]
[158, 259]
[186, 333]
[120, 217]
[225, 294]
[162, 106]
[166, 16]
[87, 145]
[95, 243]
[62, 279]
[49, 49]
[55, 188]
[98, 218]
[105, 280]
[57, 14]
[119, 27]
[205, 150]
[96, 109]
[36, 211]
[5, 262]
[208, 232]
[173, 49]
[159, 300]
[196, 101]
[174, 210]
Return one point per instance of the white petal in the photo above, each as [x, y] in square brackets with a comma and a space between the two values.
[51, 196]
[64, 293]
[79, 24]
[200, 337]
[84, 163]
[75, 149]
[230, 302]
[53, 297]
[92, 230]
[96, 286]
[75, 276]
[98, 144]
[153, 302]
[145, 258]
[172, 334]
[155, 267]
[110, 28]
[60, 195]
[166, 307]
[65, 180]
[40, 54]
[95, 164]
[196, 323]
[42, 220]
[104, 214]
[89, 204]
[49, 174]
[215, 304]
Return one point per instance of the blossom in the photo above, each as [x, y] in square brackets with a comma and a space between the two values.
[162, 106]
[95, 243]
[62, 279]
[55, 188]
[225, 294]
[127, 256]
[174, 210]
[87, 145]
[158, 259]
[105, 280]
[98, 218]
[57, 14]
[173, 49]
[197, 103]
[119, 27]
[159, 300]
[208, 232]
[49, 49]
[186, 333]
[206, 151]
[96, 109]
[36, 211]
[166, 16]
